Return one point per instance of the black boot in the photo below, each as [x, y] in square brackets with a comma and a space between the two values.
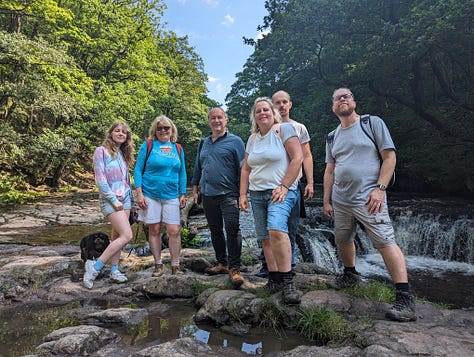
[290, 295]
[404, 308]
[273, 284]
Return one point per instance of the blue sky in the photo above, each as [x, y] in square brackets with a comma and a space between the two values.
[215, 29]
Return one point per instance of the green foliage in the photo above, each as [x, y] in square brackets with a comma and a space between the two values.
[189, 240]
[374, 290]
[68, 69]
[14, 190]
[324, 326]
[408, 62]
[199, 287]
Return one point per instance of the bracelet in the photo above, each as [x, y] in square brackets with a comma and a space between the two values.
[284, 186]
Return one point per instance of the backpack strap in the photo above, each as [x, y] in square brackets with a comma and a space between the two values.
[179, 148]
[149, 146]
[364, 121]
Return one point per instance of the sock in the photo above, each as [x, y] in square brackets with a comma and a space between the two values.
[175, 264]
[98, 265]
[114, 267]
[159, 262]
[350, 270]
[274, 276]
[402, 287]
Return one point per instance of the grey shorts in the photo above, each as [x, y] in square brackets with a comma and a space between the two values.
[378, 227]
[107, 208]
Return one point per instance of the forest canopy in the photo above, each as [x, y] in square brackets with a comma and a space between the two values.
[409, 62]
[69, 68]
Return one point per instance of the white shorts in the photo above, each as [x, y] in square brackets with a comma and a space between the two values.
[160, 211]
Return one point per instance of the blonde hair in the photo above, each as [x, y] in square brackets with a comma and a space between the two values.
[276, 114]
[162, 119]
[126, 148]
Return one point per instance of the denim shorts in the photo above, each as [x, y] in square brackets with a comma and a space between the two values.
[271, 216]
[378, 227]
[107, 208]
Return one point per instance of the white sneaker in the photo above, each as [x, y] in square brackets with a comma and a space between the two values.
[118, 277]
[90, 274]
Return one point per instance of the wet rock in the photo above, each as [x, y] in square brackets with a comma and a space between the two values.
[122, 315]
[183, 347]
[224, 307]
[77, 340]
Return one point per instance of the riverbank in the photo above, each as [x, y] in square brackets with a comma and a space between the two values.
[50, 273]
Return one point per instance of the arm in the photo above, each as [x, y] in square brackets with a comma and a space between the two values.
[244, 185]
[196, 173]
[100, 175]
[328, 182]
[308, 170]
[376, 198]
[182, 182]
[293, 148]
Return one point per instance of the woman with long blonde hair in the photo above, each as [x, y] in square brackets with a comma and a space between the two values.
[111, 168]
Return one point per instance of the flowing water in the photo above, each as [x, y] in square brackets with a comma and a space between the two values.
[436, 236]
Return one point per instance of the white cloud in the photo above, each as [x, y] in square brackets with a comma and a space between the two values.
[212, 79]
[262, 35]
[228, 21]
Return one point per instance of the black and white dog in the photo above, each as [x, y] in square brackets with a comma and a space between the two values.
[93, 245]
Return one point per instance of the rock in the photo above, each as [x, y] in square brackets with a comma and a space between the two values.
[125, 316]
[183, 347]
[81, 340]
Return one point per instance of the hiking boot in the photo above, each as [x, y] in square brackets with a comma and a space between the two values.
[159, 270]
[346, 280]
[218, 269]
[272, 287]
[290, 295]
[90, 274]
[118, 277]
[235, 277]
[263, 273]
[404, 308]
[176, 271]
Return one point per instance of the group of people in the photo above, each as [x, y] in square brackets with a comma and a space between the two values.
[264, 175]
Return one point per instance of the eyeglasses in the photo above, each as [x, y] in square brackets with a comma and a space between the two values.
[347, 96]
[163, 128]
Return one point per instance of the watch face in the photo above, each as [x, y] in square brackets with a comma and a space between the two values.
[382, 187]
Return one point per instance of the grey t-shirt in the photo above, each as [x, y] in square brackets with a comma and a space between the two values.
[357, 163]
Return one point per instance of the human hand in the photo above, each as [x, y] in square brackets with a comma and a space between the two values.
[243, 203]
[375, 201]
[308, 191]
[118, 206]
[328, 211]
[141, 202]
[279, 194]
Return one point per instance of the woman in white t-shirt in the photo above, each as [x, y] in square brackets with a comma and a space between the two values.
[273, 159]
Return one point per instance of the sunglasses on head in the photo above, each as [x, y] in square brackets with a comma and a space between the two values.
[163, 128]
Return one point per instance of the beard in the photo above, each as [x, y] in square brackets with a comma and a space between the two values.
[344, 111]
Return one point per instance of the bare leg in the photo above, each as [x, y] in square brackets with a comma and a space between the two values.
[347, 252]
[269, 259]
[395, 262]
[121, 235]
[174, 242]
[154, 239]
[281, 248]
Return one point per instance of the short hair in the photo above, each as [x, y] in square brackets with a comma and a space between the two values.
[276, 114]
[218, 108]
[162, 119]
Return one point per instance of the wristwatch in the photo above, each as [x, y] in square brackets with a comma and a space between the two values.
[381, 187]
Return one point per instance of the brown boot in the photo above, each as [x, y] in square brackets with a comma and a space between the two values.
[235, 277]
[176, 271]
[159, 271]
[218, 269]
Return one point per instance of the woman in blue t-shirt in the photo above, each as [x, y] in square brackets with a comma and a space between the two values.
[160, 182]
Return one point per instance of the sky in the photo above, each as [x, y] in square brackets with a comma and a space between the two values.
[215, 28]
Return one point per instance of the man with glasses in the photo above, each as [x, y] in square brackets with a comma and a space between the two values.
[217, 176]
[354, 191]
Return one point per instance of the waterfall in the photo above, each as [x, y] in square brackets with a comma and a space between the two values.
[425, 235]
